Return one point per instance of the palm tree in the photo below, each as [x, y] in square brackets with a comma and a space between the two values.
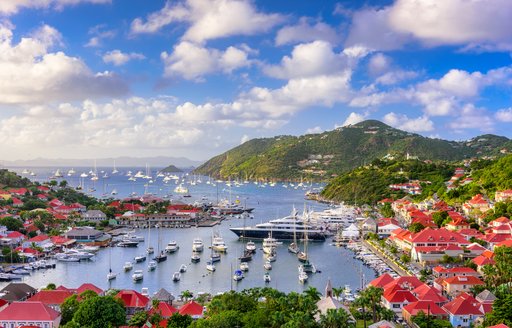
[374, 295]
[338, 291]
[336, 319]
[313, 293]
[186, 294]
[363, 301]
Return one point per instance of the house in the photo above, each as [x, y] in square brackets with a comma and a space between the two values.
[51, 298]
[477, 204]
[88, 236]
[396, 300]
[17, 292]
[369, 225]
[503, 196]
[386, 225]
[455, 285]
[94, 215]
[42, 241]
[164, 296]
[381, 281]
[430, 245]
[382, 324]
[133, 301]
[442, 272]
[29, 313]
[88, 286]
[428, 307]
[193, 309]
[486, 299]
[328, 302]
[463, 310]
[428, 293]
[164, 309]
[16, 237]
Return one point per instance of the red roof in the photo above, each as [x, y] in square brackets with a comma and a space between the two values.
[165, 309]
[382, 281]
[427, 293]
[506, 243]
[442, 235]
[400, 296]
[463, 280]
[406, 282]
[51, 297]
[133, 299]
[15, 234]
[192, 309]
[88, 286]
[441, 269]
[464, 304]
[481, 260]
[28, 311]
[39, 238]
[501, 325]
[425, 307]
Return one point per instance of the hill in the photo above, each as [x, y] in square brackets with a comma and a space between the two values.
[171, 169]
[325, 155]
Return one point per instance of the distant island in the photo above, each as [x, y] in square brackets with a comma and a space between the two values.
[171, 169]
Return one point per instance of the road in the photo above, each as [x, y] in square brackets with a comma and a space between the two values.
[386, 259]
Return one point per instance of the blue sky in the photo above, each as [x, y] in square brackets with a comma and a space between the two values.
[193, 78]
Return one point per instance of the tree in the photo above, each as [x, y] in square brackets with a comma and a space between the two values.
[68, 308]
[500, 310]
[336, 319]
[405, 258]
[416, 227]
[336, 292]
[313, 293]
[86, 294]
[387, 211]
[138, 319]
[186, 295]
[501, 272]
[426, 321]
[51, 286]
[11, 224]
[373, 294]
[100, 312]
[439, 218]
[179, 321]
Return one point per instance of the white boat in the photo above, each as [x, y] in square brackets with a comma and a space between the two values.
[266, 277]
[176, 276]
[111, 275]
[58, 174]
[272, 257]
[137, 275]
[32, 173]
[172, 247]
[21, 271]
[303, 277]
[195, 258]
[183, 268]
[71, 172]
[78, 254]
[238, 275]
[131, 236]
[244, 266]
[66, 258]
[150, 250]
[88, 248]
[270, 244]
[140, 258]
[152, 265]
[250, 246]
[197, 245]
[218, 244]
[127, 266]
[25, 171]
[181, 189]
[84, 175]
[210, 266]
[113, 192]
[267, 266]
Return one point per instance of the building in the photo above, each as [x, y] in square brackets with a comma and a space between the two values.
[193, 309]
[455, 285]
[428, 307]
[51, 298]
[94, 216]
[88, 235]
[133, 301]
[503, 196]
[463, 310]
[17, 292]
[34, 314]
[329, 302]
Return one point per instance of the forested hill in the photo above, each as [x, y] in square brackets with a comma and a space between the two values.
[321, 156]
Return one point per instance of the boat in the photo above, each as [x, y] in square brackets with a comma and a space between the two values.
[303, 277]
[150, 249]
[87, 248]
[78, 254]
[246, 257]
[113, 192]
[128, 243]
[21, 271]
[306, 266]
[250, 246]
[347, 294]
[293, 247]
[195, 258]
[25, 171]
[218, 244]
[133, 237]
[238, 275]
[161, 254]
[172, 247]
[71, 172]
[127, 266]
[282, 229]
[267, 266]
[152, 265]
[244, 266]
[140, 258]
[176, 276]
[225, 208]
[266, 277]
[137, 275]
[181, 189]
[215, 257]
[58, 174]
[272, 257]
[270, 244]
[210, 266]
[66, 258]
[111, 275]
[183, 268]
[197, 245]
[302, 257]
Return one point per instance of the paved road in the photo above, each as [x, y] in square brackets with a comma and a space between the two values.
[384, 258]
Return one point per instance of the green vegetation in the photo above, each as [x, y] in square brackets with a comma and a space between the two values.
[12, 180]
[425, 321]
[171, 169]
[321, 156]
[95, 312]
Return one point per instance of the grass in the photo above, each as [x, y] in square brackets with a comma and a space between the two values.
[360, 323]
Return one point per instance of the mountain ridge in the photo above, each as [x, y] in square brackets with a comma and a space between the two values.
[327, 154]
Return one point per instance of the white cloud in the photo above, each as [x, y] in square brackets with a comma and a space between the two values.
[192, 61]
[402, 122]
[304, 32]
[118, 58]
[244, 139]
[314, 130]
[379, 63]
[504, 115]
[471, 117]
[209, 19]
[311, 59]
[9, 7]
[99, 33]
[354, 118]
[30, 73]
[395, 77]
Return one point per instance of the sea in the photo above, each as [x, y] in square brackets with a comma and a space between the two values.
[269, 202]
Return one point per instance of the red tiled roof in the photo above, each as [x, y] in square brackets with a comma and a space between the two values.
[382, 281]
[406, 282]
[33, 311]
[425, 307]
[427, 293]
[464, 304]
[51, 297]
[501, 325]
[438, 235]
[191, 308]
[400, 296]
[481, 260]
[463, 280]
[165, 309]
[133, 299]
[441, 269]
[39, 238]
[15, 234]
[88, 286]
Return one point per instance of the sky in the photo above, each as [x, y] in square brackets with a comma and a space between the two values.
[194, 78]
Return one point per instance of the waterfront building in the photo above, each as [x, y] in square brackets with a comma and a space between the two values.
[94, 215]
[89, 236]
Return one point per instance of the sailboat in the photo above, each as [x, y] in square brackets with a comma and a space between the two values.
[247, 254]
[110, 275]
[114, 171]
[307, 266]
[294, 247]
[150, 249]
[161, 254]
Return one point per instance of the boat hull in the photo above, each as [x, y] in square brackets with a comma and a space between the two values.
[280, 235]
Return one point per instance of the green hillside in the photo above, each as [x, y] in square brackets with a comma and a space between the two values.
[171, 169]
[325, 155]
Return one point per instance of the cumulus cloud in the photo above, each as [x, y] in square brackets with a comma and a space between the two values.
[30, 73]
[314, 130]
[354, 118]
[209, 19]
[471, 117]
[10, 7]
[118, 58]
[504, 115]
[306, 32]
[192, 61]
[315, 58]
[481, 25]
[402, 122]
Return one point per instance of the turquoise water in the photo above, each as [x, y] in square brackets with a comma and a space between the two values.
[337, 264]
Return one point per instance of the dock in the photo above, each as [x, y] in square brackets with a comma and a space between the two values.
[208, 223]
[386, 259]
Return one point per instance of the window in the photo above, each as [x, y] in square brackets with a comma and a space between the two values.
[396, 306]
[464, 320]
